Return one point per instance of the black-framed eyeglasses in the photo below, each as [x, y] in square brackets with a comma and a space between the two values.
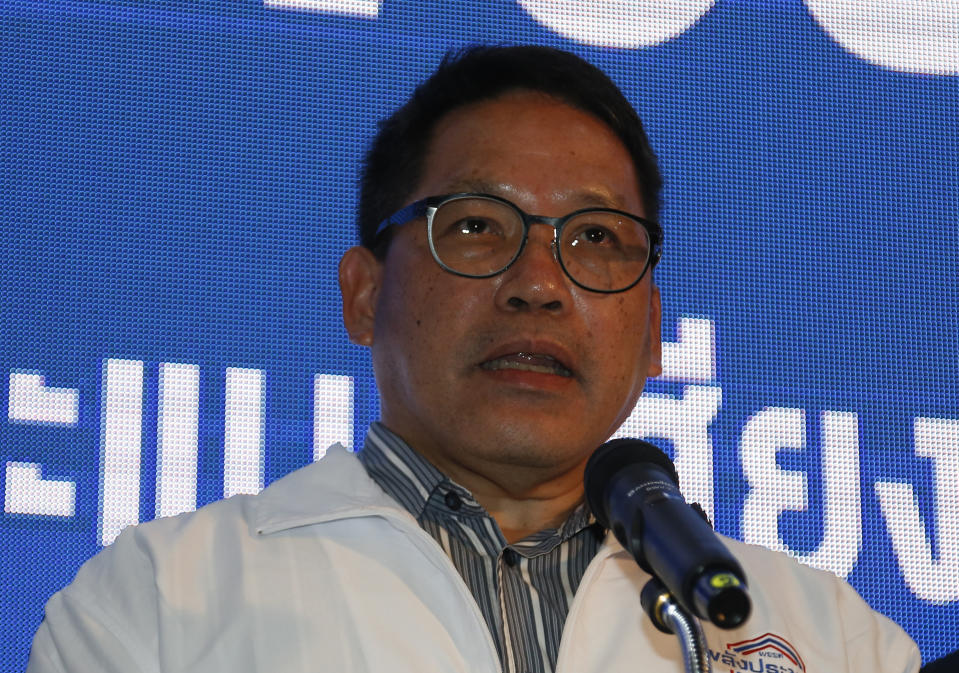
[480, 235]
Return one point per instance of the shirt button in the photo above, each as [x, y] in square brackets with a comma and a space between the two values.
[453, 501]
[510, 557]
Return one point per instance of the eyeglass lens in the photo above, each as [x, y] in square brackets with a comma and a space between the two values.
[477, 236]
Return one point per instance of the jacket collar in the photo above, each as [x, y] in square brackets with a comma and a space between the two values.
[336, 487]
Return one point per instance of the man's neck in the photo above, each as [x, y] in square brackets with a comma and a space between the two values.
[521, 507]
[516, 524]
[522, 492]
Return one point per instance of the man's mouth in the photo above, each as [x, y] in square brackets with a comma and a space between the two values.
[528, 362]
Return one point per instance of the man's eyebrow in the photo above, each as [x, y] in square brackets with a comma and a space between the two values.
[601, 198]
[477, 186]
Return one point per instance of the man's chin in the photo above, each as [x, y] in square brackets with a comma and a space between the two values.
[535, 447]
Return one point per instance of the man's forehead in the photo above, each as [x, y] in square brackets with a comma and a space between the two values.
[583, 196]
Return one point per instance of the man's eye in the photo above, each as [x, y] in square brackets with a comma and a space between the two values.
[473, 226]
[594, 236]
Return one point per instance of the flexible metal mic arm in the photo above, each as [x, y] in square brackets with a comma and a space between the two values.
[669, 617]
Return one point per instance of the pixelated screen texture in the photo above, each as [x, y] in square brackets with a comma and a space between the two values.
[180, 182]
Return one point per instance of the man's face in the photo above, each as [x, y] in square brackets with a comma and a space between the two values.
[452, 355]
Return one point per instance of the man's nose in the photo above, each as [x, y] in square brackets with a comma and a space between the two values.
[535, 280]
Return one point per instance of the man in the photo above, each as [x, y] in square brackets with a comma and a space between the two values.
[504, 285]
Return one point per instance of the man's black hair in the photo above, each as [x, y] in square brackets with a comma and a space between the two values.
[394, 162]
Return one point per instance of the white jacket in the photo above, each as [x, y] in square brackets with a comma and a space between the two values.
[322, 571]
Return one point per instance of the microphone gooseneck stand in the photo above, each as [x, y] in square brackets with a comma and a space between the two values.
[670, 617]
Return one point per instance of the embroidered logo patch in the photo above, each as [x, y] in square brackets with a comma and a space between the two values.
[767, 653]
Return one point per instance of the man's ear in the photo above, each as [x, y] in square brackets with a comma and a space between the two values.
[360, 274]
[655, 336]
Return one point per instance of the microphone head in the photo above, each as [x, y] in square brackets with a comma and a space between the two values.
[612, 457]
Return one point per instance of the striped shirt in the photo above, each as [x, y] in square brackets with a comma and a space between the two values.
[523, 589]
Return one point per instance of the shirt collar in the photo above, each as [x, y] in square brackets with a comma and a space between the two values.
[407, 476]
[416, 484]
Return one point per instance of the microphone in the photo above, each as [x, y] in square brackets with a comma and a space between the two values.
[632, 489]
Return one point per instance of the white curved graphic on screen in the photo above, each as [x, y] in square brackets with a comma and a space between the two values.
[26, 492]
[617, 23]
[178, 424]
[932, 574]
[360, 8]
[332, 412]
[32, 401]
[120, 435]
[684, 421]
[243, 431]
[907, 35]
[692, 357]
[773, 490]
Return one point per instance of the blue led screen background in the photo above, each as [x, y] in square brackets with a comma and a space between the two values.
[179, 181]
